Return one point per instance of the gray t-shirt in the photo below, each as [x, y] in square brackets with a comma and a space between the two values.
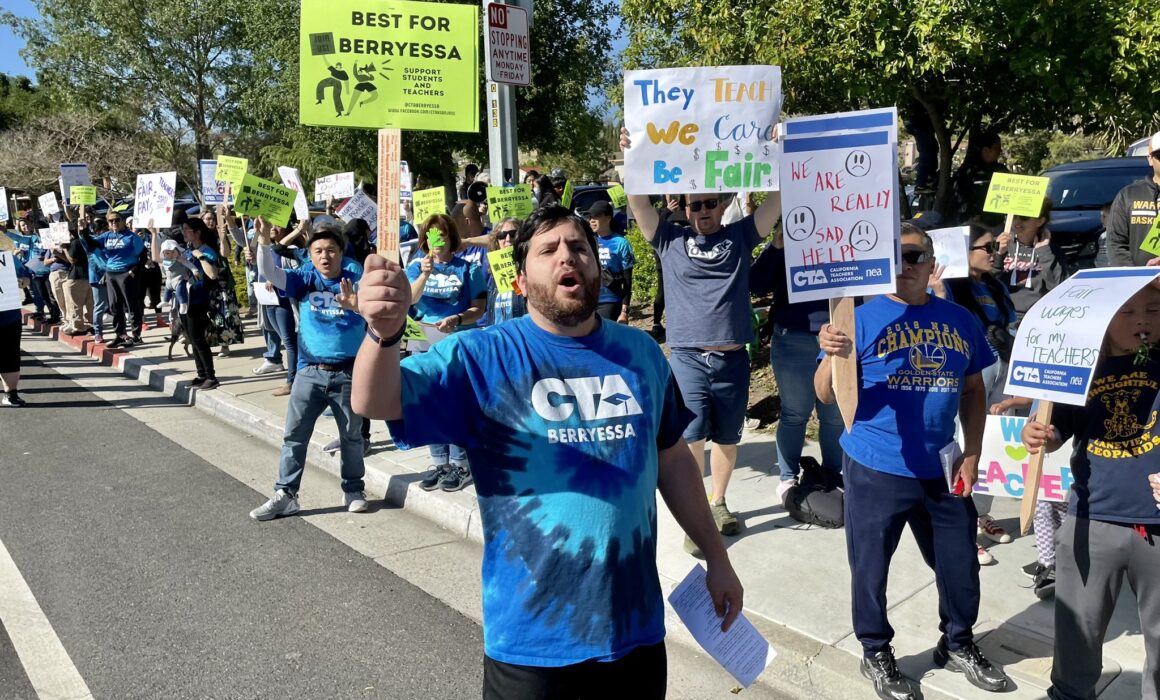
[706, 282]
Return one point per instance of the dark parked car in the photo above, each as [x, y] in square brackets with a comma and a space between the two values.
[1077, 192]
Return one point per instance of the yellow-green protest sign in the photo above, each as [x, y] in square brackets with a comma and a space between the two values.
[426, 203]
[231, 170]
[509, 202]
[435, 239]
[269, 200]
[566, 197]
[389, 64]
[82, 194]
[1151, 243]
[1021, 195]
[618, 197]
[503, 269]
[414, 331]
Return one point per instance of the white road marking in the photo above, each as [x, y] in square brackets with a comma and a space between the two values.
[49, 668]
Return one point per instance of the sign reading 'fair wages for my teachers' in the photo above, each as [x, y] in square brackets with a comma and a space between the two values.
[702, 129]
[1059, 338]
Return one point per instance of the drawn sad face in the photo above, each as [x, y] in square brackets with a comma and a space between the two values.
[800, 223]
[864, 236]
[858, 163]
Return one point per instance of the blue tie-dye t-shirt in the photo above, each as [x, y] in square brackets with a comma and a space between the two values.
[562, 435]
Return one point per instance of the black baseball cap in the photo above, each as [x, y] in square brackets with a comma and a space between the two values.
[600, 208]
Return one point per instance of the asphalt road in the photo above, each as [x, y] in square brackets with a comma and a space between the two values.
[157, 584]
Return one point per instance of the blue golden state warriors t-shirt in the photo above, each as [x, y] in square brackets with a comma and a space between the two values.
[912, 361]
[327, 333]
[562, 435]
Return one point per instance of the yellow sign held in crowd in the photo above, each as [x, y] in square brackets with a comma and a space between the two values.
[503, 269]
[231, 170]
[566, 196]
[83, 194]
[389, 64]
[1021, 195]
[618, 197]
[426, 203]
[269, 200]
[509, 202]
[414, 331]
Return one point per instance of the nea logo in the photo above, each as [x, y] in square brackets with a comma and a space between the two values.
[497, 15]
[804, 278]
[1025, 374]
[594, 398]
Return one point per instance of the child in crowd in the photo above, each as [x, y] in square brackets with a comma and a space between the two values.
[175, 262]
[1112, 527]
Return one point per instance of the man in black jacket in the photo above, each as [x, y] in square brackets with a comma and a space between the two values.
[1133, 215]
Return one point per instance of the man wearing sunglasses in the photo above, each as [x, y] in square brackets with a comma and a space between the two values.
[920, 363]
[705, 269]
[122, 250]
[1133, 214]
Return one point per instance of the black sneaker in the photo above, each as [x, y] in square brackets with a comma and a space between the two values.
[434, 477]
[1045, 583]
[13, 399]
[883, 671]
[137, 339]
[116, 343]
[458, 478]
[970, 662]
[198, 382]
[129, 342]
[1033, 570]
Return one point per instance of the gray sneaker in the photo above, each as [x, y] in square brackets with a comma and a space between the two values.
[434, 477]
[281, 504]
[332, 447]
[355, 502]
[458, 477]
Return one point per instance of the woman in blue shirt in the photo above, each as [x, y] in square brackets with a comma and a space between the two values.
[196, 320]
[503, 306]
[450, 293]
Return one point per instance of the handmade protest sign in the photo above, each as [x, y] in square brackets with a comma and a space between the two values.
[361, 206]
[231, 170]
[56, 234]
[707, 129]
[617, 195]
[11, 298]
[213, 190]
[48, 204]
[72, 175]
[269, 200]
[1004, 462]
[4, 215]
[413, 331]
[1151, 242]
[83, 194]
[153, 203]
[428, 203]
[504, 202]
[1021, 195]
[393, 63]
[435, 239]
[338, 186]
[291, 179]
[951, 250]
[503, 269]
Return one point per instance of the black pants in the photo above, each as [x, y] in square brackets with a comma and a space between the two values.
[610, 310]
[150, 286]
[196, 323]
[366, 430]
[641, 675]
[877, 506]
[659, 299]
[44, 288]
[125, 302]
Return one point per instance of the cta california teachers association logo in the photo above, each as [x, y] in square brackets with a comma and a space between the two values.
[589, 399]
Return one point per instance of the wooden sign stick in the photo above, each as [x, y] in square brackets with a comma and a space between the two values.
[1034, 473]
[390, 147]
[845, 369]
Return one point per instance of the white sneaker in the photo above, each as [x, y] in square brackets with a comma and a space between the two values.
[281, 504]
[355, 502]
[268, 367]
[985, 558]
[783, 488]
[990, 529]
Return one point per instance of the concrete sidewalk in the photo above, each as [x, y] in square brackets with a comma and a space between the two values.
[797, 579]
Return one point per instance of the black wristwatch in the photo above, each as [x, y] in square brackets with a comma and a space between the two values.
[388, 342]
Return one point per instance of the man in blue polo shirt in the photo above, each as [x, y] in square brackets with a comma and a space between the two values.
[571, 424]
[920, 360]
[121, 249]
[330, 331]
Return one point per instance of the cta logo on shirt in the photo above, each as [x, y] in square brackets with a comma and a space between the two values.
[324, 303]
[587, 399]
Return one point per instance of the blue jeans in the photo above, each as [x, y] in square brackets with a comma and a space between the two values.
[100, 306]
[314, 390]
[281, 333]
[794, 358]
[440, 454]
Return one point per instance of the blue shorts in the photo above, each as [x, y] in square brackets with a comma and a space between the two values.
[715, 387]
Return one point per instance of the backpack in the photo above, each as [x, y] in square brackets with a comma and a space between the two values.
[818, 498]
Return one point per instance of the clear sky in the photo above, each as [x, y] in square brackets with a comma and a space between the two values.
[10, 45]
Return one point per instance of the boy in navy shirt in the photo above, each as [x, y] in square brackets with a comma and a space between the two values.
[329, 334]
[1112, 527]
[571, 424]
[920, 360]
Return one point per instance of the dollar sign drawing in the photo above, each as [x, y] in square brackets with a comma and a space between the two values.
[737, 149]
[693, 184]
[765, 150]
[696, 154]
[769, 182]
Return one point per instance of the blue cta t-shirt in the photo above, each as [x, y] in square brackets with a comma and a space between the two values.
[912, 361]
[562, 435]
[450, 288]
[616, 256]
[327, 333]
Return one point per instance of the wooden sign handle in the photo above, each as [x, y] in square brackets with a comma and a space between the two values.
[390, 147]
[845, 369]
[1034, 473]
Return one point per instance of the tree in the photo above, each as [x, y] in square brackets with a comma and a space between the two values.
[963, 65]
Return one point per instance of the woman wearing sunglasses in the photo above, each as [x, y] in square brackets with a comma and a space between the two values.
[1028, 261]
[503, 306]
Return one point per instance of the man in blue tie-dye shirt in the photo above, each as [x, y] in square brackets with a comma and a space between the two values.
[571, 425]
